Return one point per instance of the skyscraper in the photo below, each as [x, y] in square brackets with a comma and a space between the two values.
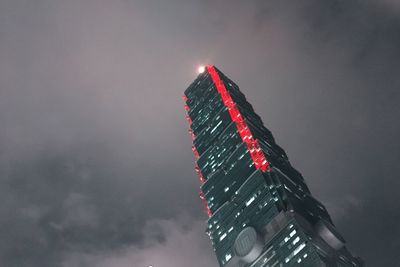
[261, 212]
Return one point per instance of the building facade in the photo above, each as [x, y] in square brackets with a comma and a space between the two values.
[261, 212]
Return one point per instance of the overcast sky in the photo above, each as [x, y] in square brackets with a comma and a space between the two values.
[96, 167]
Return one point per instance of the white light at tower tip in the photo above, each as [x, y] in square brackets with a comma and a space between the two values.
[201, 69]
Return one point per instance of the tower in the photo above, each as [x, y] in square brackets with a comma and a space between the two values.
[261, 212]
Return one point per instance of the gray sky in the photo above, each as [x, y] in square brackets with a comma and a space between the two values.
[95, 161]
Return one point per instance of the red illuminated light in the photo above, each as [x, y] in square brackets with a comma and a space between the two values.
[209, 212]
[197, 156]
[253, 146]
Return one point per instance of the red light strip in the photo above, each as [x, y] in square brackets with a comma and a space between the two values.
[209, 212]
[195, 152]
[253, 146]
[192, 134]
[189, 119]
[197, 156]
[201, 178]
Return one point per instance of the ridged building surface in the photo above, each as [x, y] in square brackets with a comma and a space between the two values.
[261, 212]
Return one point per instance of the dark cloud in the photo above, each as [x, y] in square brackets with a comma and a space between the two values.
[182, 240]
[95, 160]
